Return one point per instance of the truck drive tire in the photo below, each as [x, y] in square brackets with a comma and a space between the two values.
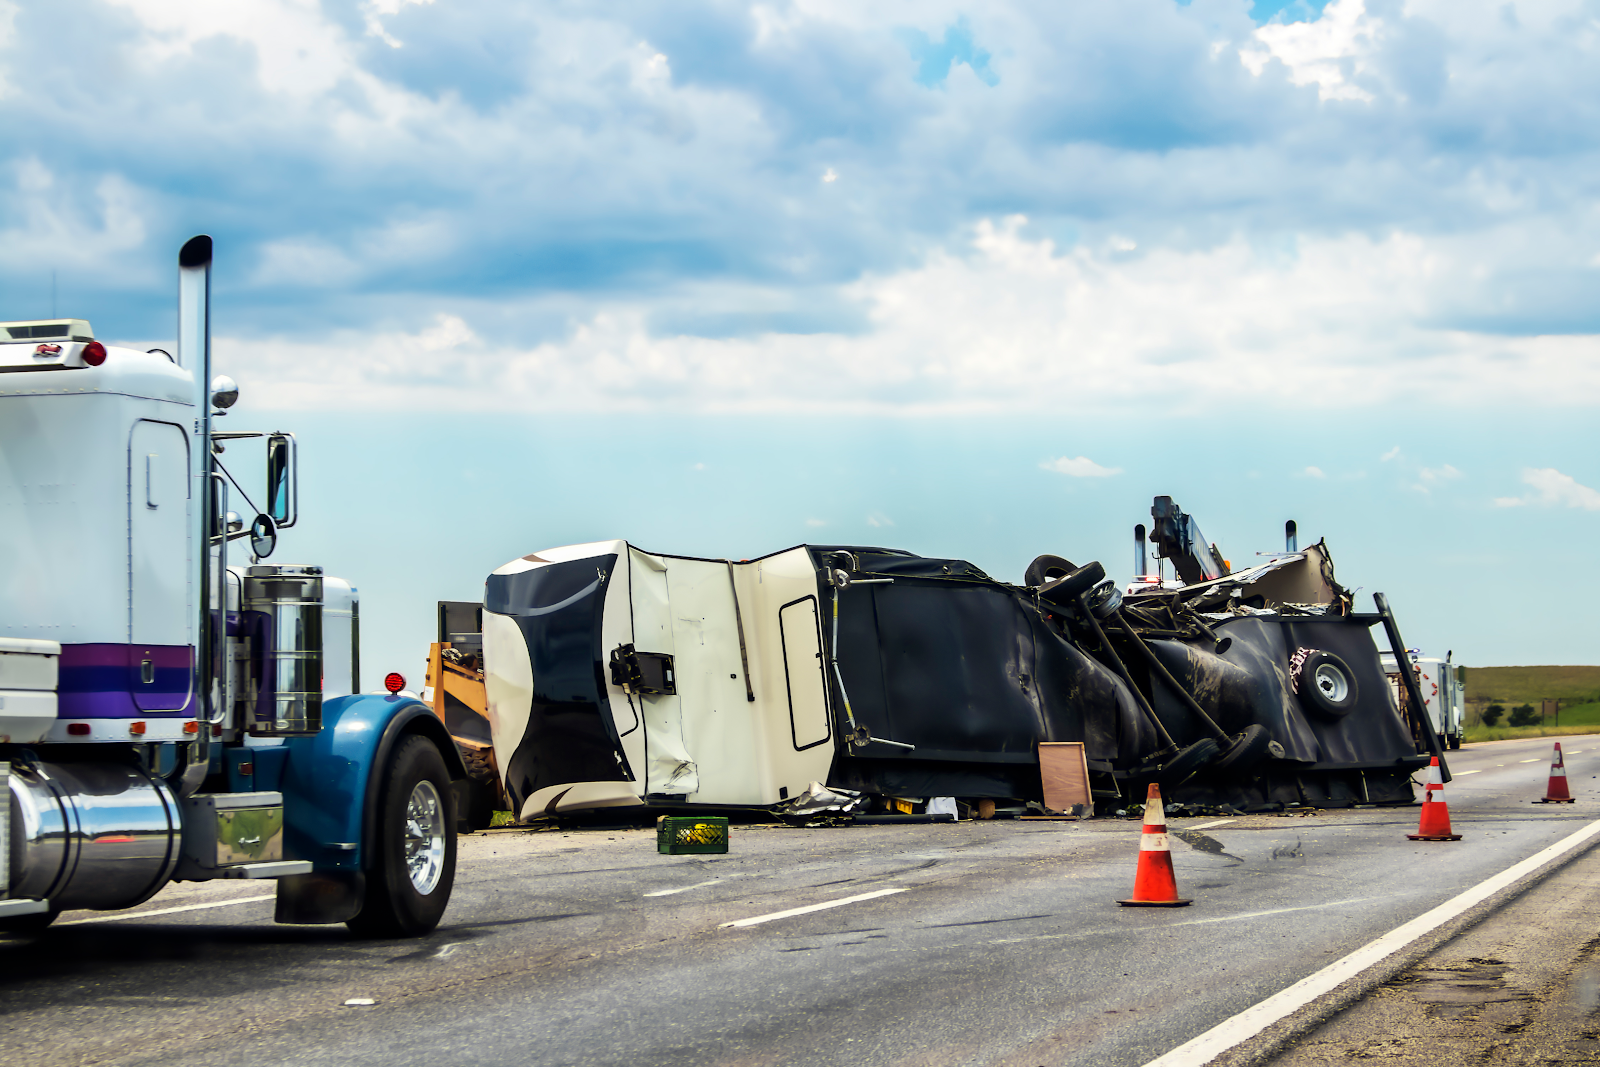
[411, 864]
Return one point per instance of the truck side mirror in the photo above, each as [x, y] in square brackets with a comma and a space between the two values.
[282, 485]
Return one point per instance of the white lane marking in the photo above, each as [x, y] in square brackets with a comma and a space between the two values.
[1462, 774]
[1536, 759]
[1204, 825]
[810, 908]
[1576, 752]
[1273, 911]
[1253, 1020]
[124, 916]
[685, 888]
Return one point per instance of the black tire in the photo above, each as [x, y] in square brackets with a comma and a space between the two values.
[1187, 763]
[1247, 752]
[415, 790]
[1069, 588]
[25, 925]
[477, 795]
[475, 802]
[1327, 686]
[1044, 568]
[1455, 742]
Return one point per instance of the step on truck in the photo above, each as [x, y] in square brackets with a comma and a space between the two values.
[173, 708]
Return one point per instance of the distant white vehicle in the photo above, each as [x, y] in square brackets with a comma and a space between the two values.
[1442, 692]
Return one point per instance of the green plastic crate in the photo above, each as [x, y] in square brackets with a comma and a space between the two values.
[678, 835]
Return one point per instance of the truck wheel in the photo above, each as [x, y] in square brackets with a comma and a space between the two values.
[1327, 686]
[24, 925]
[412, 862]
[1246, 751]
[1455, 742]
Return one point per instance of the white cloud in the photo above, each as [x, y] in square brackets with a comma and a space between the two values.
[1312, 472]
[830, 175]
[1551, 488]
[1391, 454]
[816, 522]
[1430, 478]
[1014, 324]
[1325, 52]
[1079, 467]
[878, 518]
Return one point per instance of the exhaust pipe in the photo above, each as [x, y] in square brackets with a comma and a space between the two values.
[194, 355]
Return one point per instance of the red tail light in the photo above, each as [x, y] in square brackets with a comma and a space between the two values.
[94, 353]
[394, 681]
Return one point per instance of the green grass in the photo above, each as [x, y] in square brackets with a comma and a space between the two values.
[1528, 685]
[1582, 719]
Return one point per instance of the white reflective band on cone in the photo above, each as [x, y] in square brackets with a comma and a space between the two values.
[1154, 813]
[1154, 843]
[1433, 777]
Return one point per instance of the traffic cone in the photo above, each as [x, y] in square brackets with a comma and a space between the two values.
[1556, 791]
[1435, 822]
[1153, 884]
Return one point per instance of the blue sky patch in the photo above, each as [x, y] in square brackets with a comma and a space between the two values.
[1264, 11]
[935, 58]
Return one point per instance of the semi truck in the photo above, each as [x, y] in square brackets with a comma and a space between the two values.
[173, 707]
[1443, 693]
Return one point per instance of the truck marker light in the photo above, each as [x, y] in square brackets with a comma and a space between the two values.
[394, 681]
[94, 353]
[136, 728]
[78, 729]
[191, 727]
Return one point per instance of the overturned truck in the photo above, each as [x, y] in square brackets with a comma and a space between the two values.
[618, 677]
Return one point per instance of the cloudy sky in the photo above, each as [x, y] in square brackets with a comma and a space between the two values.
[974, 281]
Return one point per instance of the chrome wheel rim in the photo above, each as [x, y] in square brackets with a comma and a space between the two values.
[424, 837]
[1331, 680]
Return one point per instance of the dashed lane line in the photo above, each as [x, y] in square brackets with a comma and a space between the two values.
[757, 919]
[685, 888]
[1204, 825]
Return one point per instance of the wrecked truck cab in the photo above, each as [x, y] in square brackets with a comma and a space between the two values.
[618, 677]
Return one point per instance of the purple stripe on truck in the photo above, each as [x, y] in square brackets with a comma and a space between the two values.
[106, 681]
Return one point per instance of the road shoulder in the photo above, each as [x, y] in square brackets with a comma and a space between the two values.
[1522, 986]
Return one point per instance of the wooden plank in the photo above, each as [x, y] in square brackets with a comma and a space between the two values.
[1064, 773]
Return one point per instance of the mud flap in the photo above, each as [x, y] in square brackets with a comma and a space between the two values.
[320, 897]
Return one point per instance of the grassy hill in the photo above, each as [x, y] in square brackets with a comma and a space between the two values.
[1528, 685]
[1578, 689]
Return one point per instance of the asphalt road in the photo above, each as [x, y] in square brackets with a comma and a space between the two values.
[1001, 945]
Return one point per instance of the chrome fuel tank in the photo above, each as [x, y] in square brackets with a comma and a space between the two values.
[90, 834]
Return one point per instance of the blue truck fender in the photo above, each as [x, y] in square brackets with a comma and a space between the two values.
[330, 787]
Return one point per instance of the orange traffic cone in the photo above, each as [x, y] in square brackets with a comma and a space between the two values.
[1556, 791]
[1435, 822]
[1153, 884]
